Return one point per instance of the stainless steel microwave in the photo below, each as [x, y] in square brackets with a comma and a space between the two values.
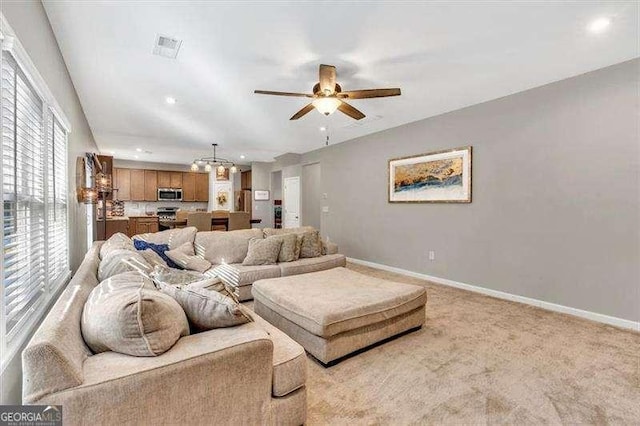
[170, 194]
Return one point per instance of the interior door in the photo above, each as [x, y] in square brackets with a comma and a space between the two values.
[291, 201]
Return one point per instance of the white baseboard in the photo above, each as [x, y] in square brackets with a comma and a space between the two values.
[593, 316]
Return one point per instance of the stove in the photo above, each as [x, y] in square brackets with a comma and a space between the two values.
[167, 213]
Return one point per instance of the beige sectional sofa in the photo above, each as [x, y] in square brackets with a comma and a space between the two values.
[247, 374]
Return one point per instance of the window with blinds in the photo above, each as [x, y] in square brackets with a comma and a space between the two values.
[34, 192]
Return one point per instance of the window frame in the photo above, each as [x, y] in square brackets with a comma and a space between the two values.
[52, 112]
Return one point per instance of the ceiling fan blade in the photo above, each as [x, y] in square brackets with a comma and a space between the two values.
[370, 93]
[327, 79]
[302, 112]
[269, 92]
[350, 111]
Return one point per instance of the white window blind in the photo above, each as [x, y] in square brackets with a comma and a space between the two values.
[34, 187]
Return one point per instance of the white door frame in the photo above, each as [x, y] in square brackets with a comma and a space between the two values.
[284, 199]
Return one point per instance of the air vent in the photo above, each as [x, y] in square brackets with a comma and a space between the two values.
[166, 47]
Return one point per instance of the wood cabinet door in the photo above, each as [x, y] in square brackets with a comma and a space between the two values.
[123, 184]
[202, 187]
[188, 187]
[245, 180]
[176, 180]
[164, 179]
[150, 185]
[137, 185]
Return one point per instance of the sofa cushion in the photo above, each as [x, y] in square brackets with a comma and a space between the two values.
[152, 258]
[126, 314]
[174, 238]
[313, 264]
[185, 257]
[289, 360]
[330, 302]
[311, 245]
[206, 309]
[119, 261]
[262, 251]
[225, 247]
[117, 241]
[239, 275]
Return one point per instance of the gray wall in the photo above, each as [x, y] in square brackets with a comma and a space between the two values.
[29, 21]
[261, 180]
[311, 195]
[555, 211]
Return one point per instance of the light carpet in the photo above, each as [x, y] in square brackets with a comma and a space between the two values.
[481, 360]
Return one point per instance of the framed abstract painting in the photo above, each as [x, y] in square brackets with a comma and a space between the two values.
[436, 177]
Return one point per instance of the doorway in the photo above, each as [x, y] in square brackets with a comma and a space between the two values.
[291, 201]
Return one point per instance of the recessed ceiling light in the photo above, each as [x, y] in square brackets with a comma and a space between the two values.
[599, 25]
[139, 149]
[242, 157]
[170, 100]
[323, 129]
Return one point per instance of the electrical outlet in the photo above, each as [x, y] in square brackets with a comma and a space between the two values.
[325, 209]
[432, 255]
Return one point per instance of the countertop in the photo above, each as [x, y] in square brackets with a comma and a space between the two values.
[113, 218]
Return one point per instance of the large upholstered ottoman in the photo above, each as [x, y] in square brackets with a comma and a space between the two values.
[336, 312]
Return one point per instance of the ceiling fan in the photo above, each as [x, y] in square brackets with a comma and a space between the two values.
[328, 95]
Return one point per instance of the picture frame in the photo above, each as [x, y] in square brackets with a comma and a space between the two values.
[261, 195]
[434, 177]
[224, 175]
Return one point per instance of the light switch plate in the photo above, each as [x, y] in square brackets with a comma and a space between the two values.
[325, 209]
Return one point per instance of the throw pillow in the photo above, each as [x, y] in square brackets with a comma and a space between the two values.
[206, 309]
[117, 241]
[262, 251]
[121, 260]
[187, 259]
[311, 245]
[158, 248]
[174, 276]
[290, 250]
[127, 314]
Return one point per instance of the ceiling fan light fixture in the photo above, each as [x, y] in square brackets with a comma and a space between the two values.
[326, 105]
[207, 168]
[194, 167]
[221, 169]
[233, 169]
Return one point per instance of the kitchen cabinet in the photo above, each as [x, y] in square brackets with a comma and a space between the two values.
[202, 187]
[164, 179]
[137, 185]
[176, 180]
[142, 225]
[189, 187]
[142, 185]
[113, 227]
[150, 185]
[169, 179]
[122, 183]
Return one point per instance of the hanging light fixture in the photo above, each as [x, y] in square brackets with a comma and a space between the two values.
[326, 105]
[221, 164]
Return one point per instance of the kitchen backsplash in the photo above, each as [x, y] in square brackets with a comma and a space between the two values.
[133, 208]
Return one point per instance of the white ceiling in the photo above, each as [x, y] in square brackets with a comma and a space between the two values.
[444, 56]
